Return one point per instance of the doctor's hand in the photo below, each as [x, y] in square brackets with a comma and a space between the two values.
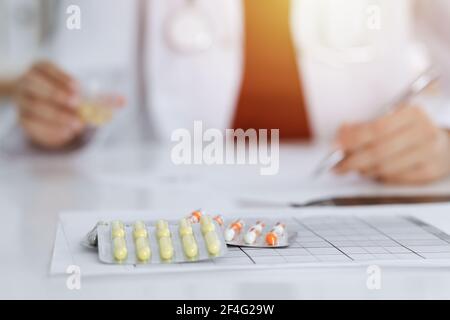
[47, 99]
[404, 147]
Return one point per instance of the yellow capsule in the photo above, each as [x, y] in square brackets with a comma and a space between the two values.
[207, 224]
[163, 233]
[120, 249]
[185, 227]
[140, 230]
[117, 229]
[95, 114]
[143, 251]
[162, 224]
[162, 229]
[166, 248]
[190, 246]
[212, 243]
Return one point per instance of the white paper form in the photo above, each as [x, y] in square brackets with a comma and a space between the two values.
[330, 186]
[326, 238]
[239, 184]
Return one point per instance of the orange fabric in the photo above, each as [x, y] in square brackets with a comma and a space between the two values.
[271, 96]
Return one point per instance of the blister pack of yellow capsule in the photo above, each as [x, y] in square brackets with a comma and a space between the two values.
[157, 242]
[100, 98]
[258, 233]
[94, 113]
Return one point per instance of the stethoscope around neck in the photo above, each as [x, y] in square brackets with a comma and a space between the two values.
[188, 29]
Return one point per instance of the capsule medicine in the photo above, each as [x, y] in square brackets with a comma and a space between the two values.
[143, 242]
[162, 224]
[166, 250]
[95, 114]
[162, 229]
[117, 229]
[278, 231]
[143, 251]
[254, 232]
[120, 249]
[207, 224]
[190, 246]
[185, 227]
[219, 220]
[195, 216]
[212, 243]
[140, 230]
[233, 230]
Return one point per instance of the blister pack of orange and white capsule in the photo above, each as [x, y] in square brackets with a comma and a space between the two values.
[257, 233]
[197, 237]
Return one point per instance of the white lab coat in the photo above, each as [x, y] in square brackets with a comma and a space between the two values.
[19, 35]
[205, 86]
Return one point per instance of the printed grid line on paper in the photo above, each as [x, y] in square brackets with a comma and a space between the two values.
[338, 239]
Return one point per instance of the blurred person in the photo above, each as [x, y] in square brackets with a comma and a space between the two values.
[310, 68]
[47, 99]
[7, 88]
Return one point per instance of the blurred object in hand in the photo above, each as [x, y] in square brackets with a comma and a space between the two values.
[98, 111]
[99, 98]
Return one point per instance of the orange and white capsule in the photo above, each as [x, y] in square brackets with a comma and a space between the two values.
[254, 232]
[195, 216]
[273, 237]
[233, 229]
[219, 220]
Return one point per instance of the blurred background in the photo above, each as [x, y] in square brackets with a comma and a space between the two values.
[373, 47]
[178, 61]
[91, 92]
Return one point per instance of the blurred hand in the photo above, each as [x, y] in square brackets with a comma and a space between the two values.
[47, 99]
[404, 147]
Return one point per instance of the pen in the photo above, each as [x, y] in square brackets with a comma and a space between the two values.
[422, 82]
[349, 201]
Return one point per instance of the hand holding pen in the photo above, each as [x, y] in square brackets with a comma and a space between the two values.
[403, 146]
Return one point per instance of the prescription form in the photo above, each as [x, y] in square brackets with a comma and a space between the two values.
[325, 238]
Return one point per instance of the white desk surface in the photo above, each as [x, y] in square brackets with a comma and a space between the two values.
[35, 189]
